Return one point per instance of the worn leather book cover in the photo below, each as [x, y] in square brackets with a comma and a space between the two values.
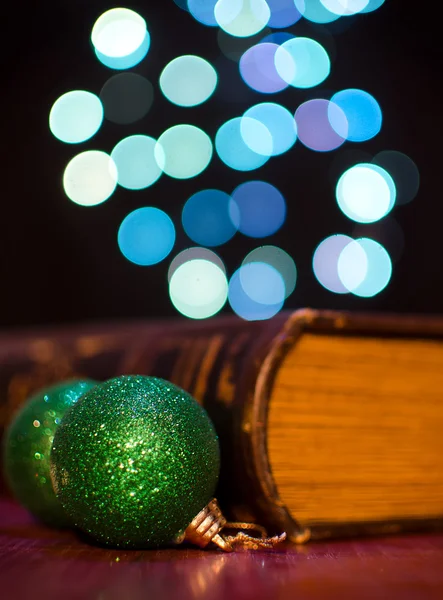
[329, 423]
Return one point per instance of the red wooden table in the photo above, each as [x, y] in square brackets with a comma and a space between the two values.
[36, 562]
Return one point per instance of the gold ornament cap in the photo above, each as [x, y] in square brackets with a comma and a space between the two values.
[209, 526]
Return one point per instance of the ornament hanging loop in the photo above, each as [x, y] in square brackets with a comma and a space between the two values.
[208, 527]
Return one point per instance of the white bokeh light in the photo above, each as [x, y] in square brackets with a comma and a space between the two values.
[198, 289]
[366, 194]
[118, 32]
[90, 178]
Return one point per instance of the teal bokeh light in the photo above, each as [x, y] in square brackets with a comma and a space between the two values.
[242, 18]
[236, 138]
[188, 80]
[146, 236]
[302, 62]
[76, 116]
[365, 267]
[315, 11]
[183, 151]
[135, 161]
[279, 122]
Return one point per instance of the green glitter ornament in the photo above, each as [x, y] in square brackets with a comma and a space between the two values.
[27, 446]
[134, 461]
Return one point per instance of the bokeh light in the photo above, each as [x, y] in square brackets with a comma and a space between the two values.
[365, 268]
[195, 253]
[198, 289]
[119, 33]
[135, 160]
[345, 8]
[386, 232]
[277, 37]
[373, 5]
[352, 265]
[183, 151]
[146, 236]
[262, 283]
[315, 11]
[258, 68]
[279, 122]
[76, 116]
[283, 13]
[363, 114]
[259, 207]
[266, 277]
[188, 80]
[242, 18]
[126, 98]
[403, 171]
[280, 261]
[302, 62]
[208, 218]
[120, 63]
[233, 143]
[90, 178]
[314, 129]
[325, 263]
[203, 11]
[234, 47]
[183, 4]
[366, 194]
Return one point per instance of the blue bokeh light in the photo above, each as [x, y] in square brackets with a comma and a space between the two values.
[207, 218]
[135, 160]
[146, 236]
[260, 208]
[76, 116]
[262, 283]
[363, 114]
[279, 122]
[203, 11]
[302, 62]
[244, 306]
[283, 13]
[279, 260]
[233, 141]
[277, 37]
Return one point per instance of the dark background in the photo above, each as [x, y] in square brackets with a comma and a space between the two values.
[60, 262]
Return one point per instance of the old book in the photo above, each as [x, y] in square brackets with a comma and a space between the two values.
[330, 424]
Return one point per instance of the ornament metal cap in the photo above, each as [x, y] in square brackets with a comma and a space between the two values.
[208, 526]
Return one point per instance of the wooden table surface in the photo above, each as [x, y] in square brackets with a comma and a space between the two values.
[36, 562]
